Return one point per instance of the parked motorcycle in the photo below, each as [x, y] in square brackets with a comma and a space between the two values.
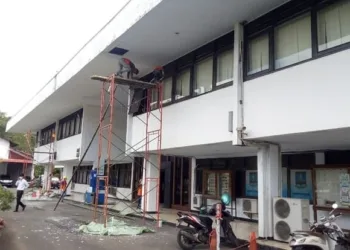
[198, 228]
[323, 235]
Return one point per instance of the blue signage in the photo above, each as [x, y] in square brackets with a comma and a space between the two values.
[301, 184]
[251, 184]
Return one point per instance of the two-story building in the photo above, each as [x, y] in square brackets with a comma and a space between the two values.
[254, 104]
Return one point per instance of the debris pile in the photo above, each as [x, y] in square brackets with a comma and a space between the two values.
[113, 228]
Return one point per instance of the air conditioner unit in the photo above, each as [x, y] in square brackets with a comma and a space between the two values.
[288, 216]
[197, 200]
[250, 206]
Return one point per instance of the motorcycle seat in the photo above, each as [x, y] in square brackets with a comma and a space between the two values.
[308, 233]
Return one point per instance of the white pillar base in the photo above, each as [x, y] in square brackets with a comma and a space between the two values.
[150, 188]
[269, 186]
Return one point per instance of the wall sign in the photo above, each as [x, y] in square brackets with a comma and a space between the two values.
[251, 183]
[301, 184]
[344, 189]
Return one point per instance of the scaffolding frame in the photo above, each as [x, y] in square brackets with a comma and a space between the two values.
[112, 83]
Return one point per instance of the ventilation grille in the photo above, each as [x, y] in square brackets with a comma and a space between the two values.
[247, 205]
[282, 209]
[283, 230]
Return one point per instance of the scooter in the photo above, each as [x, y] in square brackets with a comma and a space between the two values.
[323, 235]
[199, 228]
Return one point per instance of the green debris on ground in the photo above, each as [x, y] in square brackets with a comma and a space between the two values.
[113, 228]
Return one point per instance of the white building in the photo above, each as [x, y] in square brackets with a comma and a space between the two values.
[270, 72]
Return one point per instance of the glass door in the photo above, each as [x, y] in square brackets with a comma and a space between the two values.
[181, 183]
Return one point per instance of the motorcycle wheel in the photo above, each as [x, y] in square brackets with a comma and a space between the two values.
[184, 243]
[232, 238]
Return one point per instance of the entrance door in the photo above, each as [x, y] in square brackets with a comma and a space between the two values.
[181, 184]
[165, 182]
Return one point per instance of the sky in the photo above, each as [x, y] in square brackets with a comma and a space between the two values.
[38, 37]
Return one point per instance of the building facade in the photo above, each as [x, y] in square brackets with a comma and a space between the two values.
[254, 104]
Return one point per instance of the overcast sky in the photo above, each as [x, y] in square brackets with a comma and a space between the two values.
[38, 37]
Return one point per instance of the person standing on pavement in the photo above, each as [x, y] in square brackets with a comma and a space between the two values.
[139, 194]
[21, 184]
[63, 187]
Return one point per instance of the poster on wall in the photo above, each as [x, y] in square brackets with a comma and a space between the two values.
[344, 189]
[251, 183]
[284, 182]
[301, 184]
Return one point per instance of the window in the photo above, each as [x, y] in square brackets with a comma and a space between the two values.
[333, 24]
[258, 54]
[224, 67]
[332, 186]
[82, 175]
[167, 89]
[120, 175]
[203, 76]
[183, 84]
[70, 125]
[293, 42]
[47, 134]
[216, 183]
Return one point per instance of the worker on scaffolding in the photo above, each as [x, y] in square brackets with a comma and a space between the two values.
[158, 74]
[126, 65]
[139, 194]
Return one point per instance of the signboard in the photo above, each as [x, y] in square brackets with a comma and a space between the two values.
[251, 183]
[300, 184]
[344, 189]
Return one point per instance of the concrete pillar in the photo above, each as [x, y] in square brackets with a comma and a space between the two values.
[238, 121]
[68, 172]
[269, 186]
[320, 158]
[193, 180]
[150, 189]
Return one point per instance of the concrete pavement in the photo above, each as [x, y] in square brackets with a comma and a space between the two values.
[40, 228]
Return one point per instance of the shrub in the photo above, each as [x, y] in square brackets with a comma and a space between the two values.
[6, 198]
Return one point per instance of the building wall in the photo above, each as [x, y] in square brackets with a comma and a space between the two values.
[91, 119]
[67, 148]
[4, 149]
[43, 156]
[201, 120]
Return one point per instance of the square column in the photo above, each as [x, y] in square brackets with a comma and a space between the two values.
[68, 172]
[269, 186]
[150, 187]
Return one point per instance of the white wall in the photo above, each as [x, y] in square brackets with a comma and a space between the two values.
[67, 148]
[307, 97]
[43, 158]
[200, 120]
[4, 149]
[91, 118]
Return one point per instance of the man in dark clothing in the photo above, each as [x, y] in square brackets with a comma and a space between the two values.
[158, 74]
[21, 184]
[125, 65]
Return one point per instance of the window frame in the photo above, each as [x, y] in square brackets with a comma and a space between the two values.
[188, 61]
[65, 125]
[46, 133]
[279, 16]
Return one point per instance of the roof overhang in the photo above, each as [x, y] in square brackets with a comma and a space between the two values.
[154, 32]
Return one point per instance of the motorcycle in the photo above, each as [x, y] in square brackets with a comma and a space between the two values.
[198, 228]
[325, 235]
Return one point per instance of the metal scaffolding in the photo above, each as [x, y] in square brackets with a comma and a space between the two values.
[106, 124]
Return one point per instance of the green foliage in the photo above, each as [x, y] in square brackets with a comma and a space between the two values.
[38, 170]
[18, 138]
[57, 172]
[6, 198]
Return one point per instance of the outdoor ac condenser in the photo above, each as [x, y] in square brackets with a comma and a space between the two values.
[288, 216]
[197, 200]
[250, 206]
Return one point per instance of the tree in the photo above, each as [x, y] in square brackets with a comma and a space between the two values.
[38, 170]
[6, 198]
[17, 138]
